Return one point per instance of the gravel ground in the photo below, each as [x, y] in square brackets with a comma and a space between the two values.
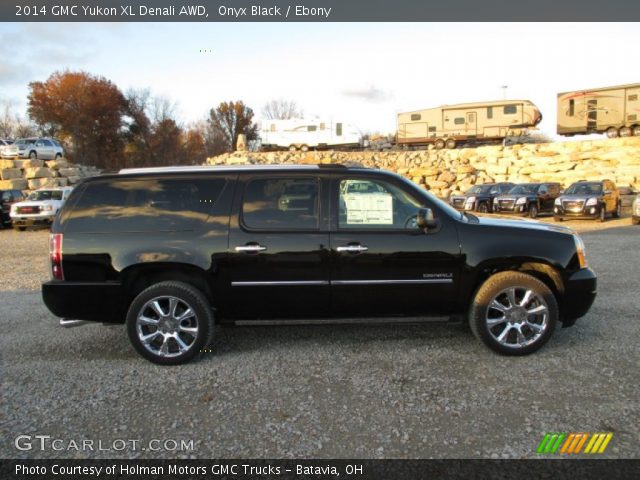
[419, 391]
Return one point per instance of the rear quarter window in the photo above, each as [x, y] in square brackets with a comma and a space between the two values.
[144, 205]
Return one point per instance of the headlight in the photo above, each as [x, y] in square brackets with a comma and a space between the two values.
[521, 200]
[471, 200]
[592, 201]
[557, 201]
[582, 256]
[47, 208]
[495, 200]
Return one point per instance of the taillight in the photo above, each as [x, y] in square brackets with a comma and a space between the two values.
[55, 253]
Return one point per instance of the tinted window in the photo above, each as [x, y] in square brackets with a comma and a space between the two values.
[584, 189]
[311, 128]
[489, 112]
[47, 143]
[505, 188]
[572, 107]
[41, 195]
[524, 189]
[375, 204]
[145, 205]
[510, 109]
[415, 117]
[458, 120]
[479, 189]
[6, 196]
[281, 204]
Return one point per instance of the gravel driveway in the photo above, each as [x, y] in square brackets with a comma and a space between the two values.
[421, 391]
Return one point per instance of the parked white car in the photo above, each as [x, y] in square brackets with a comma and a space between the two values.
[4, 148]
[39, 208]
[34, 148]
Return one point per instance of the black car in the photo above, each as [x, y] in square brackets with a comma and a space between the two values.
[479, 198]
[8, 198]
[588, 200]
[170, 251]
[528, 199]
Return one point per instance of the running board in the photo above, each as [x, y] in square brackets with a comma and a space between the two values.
[347, 321]
[66, 323]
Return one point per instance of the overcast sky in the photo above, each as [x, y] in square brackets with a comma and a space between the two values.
[360, 73]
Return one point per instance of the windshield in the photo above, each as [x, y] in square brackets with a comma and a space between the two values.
[584, 189]
[45, 195]
[25, 141]
[526, 188]
[480, 189]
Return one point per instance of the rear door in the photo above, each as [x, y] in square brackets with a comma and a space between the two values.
[279, 247]
[382, 264]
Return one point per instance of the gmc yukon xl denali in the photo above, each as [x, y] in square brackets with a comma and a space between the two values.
[172, 251]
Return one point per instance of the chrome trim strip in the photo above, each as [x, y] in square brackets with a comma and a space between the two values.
[391, 282]
[280, 283]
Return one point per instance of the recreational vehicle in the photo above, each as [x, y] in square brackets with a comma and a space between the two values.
[300, 134]
[611, 110]
[450, 125]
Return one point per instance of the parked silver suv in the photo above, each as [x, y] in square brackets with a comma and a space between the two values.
[33, 148]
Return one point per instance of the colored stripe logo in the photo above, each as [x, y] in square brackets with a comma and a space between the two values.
[574, 443]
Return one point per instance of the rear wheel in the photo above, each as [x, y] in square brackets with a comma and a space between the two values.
[625, 132]
[439, 144]
[483, 207]
[612, 132]
[58, 156]
[33, 155]
[450, 144]
[533, 210]
[292, 148]
[169, 323]
[304, 148]
[513, 313]
[636, 131]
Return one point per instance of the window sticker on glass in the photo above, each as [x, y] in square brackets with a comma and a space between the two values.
[369, 208]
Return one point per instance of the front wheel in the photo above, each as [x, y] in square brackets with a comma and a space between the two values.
[33, 155]
[483, 208]
[603, 214]
[617, 213]
[169, 323]
[513, 313]
[533, 210]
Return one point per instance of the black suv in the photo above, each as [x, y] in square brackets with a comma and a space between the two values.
[169, 251]
[588, 200]
[8, 198]
[528, 199]
[479, 198]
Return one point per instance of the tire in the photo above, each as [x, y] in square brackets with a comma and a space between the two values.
[58, 156]
[450, 144]
[636, 131]
[194, 335]
[292, 148]
[33, 155]
[558, 219]
[304, 148]
[439, 144]
[483, 207]
[635, 222]
[612, 132]
[520, 337]
[533, 210]
[617, 213]
[603, 214]
[625, 132]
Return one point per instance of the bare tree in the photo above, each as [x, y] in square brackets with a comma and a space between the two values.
[281, 109]
[13, 125]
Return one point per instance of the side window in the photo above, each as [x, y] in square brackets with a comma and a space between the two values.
[458, 121]
[39, 143]
[572, 107]
[374, 204]
[489, 112]
[144, 205]
[311, 128]
[510, 109]
[415, 117]
[47, 143]
[6, 196]
[543, 190]
[281, 204]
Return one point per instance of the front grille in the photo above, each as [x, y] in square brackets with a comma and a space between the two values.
[26, 210]
[573, 205]
[506, 204]
[458, 202]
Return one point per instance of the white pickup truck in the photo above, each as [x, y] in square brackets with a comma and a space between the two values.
[39, 208]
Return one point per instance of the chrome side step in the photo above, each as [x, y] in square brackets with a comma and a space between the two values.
[66, 323]
[348, 321]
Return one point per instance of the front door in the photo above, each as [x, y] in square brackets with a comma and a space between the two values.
[471, 124]
[279, 248]
[381, 263]
[592, 115]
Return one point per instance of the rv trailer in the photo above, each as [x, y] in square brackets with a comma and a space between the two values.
[300, 134]
[611, 110]
[450, 125]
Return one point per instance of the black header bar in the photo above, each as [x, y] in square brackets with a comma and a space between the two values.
[320, 11]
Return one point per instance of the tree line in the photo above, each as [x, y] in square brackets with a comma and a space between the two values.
[102, 126]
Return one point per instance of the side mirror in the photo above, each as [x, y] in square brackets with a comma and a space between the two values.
[425, 219]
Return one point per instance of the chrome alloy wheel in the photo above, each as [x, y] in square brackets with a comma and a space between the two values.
[167, 326]
[517, 317]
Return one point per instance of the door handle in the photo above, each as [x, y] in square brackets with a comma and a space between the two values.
[252, 248]
[352, 248]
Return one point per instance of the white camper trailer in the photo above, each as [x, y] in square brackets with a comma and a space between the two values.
[301, 134]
